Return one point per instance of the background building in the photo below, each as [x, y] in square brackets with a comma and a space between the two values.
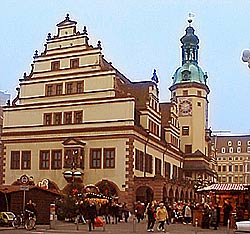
[76, 114]
[233, 158]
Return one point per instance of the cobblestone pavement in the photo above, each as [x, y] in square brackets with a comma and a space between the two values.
[141, 227]
[120, 228]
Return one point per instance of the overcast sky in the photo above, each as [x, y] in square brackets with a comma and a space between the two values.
[139, 36]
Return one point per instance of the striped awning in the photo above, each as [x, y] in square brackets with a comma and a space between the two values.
[224, 187]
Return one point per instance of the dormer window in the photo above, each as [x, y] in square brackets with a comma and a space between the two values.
[55, 66]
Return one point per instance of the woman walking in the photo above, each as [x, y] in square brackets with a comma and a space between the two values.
[162, 216]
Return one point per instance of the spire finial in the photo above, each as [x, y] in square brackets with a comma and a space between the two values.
[67, 16]
[35, 54]
[190, 18]
[85, 31]
[99, 45]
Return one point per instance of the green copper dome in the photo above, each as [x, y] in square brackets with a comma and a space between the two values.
[189, 72]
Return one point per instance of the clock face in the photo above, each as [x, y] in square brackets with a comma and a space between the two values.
[185, 107]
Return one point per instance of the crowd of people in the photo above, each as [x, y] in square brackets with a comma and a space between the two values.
[157, 214]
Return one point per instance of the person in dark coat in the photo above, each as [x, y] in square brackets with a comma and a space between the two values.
[125, 211]
[214, 218]
[205, 217]
[151, 212]
[91, 214]
[227, 209]
[139, 211]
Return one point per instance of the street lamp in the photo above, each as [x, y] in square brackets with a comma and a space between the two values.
[246, 57]
[73, 174]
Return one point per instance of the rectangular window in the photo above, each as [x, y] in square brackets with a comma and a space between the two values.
[78, 117]
[236, 179]
[44, 159]
[55, 66]
[59, 89]
[188, 149]
[139, 160]
[230, 168]
[95, 158]
[79, 87]
[224, 179]
[224, 168]
[56, 159]
[15, 160]
[167, 170]
[57, 118]
[198, 93]
[26, 160]
[47, 119]
[157, 166]
[69, 88]
[67, 117]
[49, 90]
[236, 168]
[74, 63]
[185, 92]
[174, 175]
[109, 158]
[241, 167]
[185, 131]
[149, 163]
[219, 168]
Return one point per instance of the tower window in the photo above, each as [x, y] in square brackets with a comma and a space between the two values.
[229, 143]
[185, 131]
[185, 93]
[188, 149]
[198, 103]
[199, 93]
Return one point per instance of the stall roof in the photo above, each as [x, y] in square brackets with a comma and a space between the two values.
[225, 187]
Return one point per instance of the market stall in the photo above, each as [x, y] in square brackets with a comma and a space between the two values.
[237, 195]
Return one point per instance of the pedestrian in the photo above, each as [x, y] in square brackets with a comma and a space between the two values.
[187, 214]
[205, 216]
[91, 214]
[151, 213]
[125, 211]
[139, 211]
[227, 209]
[214, 218]
[161, 216]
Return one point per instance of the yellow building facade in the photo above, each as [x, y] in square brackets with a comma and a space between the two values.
[76, 113]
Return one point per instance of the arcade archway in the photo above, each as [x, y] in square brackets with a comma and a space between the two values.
[144, 194]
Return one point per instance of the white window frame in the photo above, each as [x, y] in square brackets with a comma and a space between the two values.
[229, 143]
[239, 143]
[223, 150]
[248, 142]
[231, 149]
[238, 150]
[248, 149]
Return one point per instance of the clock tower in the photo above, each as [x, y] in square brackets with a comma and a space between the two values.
[189, 89]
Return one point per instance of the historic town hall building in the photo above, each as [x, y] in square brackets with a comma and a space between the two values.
[76, 118]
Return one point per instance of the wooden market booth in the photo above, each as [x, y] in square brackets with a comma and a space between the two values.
[235, 194]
